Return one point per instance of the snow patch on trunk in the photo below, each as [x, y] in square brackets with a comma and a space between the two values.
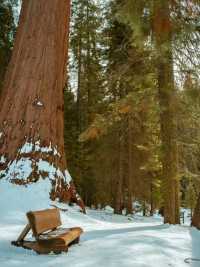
[30, 147]
[68, 177]
[45, 166]
[2, 159]
[25, 167]
[18, 169]
[27, 148]
[39, 103]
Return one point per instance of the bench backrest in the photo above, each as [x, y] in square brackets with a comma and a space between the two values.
[43, 220]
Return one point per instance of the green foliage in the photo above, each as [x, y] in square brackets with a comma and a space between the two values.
[137, 14]
[114, 70]
[129, 93]
[87, 84]
[112, 122]
[7, 29]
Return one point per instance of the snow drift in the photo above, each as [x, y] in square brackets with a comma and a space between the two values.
[15, 199]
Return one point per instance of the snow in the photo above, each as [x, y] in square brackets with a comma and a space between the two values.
[39, 103]
[68, 177]
[37, 145]
[45, 166]
[108, 239]
[18, 169]
[22, 168]
[55, 152]
[16, 200]
[109, 210]
[29, 147]
[2, 159]
[26, 148]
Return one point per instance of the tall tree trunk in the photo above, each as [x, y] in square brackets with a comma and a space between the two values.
[196, 215]
[130, 168]
[152, 198]
[88, 68]
[31, 116]
[119, 180]
[163, 39]
[79, 95]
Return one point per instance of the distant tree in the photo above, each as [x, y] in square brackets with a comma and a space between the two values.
[7, 29]
[126, 122]
[162, 28]
[167, 29]
[87, 85]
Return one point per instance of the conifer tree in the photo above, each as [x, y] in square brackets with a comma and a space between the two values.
[86, 48]
[7, 28]
[162, 27]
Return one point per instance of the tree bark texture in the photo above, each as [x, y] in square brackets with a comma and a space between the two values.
[167, 98]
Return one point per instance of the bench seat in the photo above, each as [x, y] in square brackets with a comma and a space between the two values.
[62, 236]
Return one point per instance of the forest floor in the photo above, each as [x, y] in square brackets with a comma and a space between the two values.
[108, 239]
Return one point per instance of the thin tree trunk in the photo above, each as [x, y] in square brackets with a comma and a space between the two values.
[163, 38]
[31, 116]
[196, 214]
[130, 168]
[151, 199]
[79, 117]
[90, 96]
[119, 181]
[144, 208]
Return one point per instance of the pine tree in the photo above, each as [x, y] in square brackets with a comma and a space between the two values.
[7, 29]
[162, 28]
[88, 85]
[125, 103]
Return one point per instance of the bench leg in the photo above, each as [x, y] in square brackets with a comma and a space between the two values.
[57, 252]
[76, 241]
[20, 239]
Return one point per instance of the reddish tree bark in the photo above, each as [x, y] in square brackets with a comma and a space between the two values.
[118, 199]
[163, 35]
[196, 215]
[31, 115]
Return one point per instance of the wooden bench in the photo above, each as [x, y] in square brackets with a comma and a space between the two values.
[48, 235]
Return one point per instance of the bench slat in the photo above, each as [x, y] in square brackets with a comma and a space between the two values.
[61, 240]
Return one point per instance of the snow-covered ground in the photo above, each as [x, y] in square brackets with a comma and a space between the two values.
[108, 240]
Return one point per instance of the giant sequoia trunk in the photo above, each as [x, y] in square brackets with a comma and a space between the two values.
[163, 40]
[31, 115]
